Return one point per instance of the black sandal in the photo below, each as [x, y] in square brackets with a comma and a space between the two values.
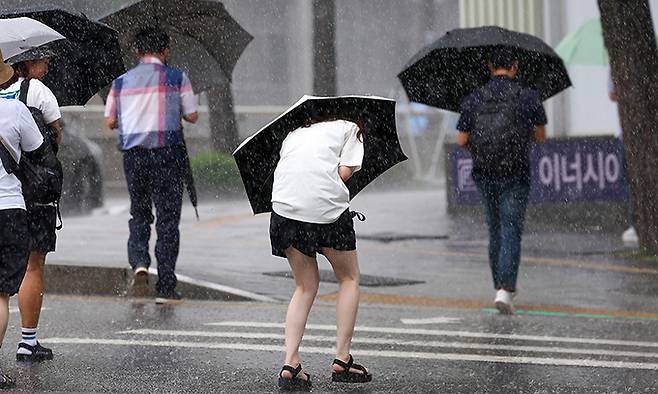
[6, 382]
[346, 376]
[294, 383]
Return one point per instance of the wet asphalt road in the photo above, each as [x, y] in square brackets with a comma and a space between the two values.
[122, 345]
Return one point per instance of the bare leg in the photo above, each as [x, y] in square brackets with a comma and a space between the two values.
[307, 279]
[30, 294]
[4, 315]
[346, 269]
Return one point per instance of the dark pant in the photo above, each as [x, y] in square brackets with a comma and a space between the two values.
[504, 205]
[154, 178]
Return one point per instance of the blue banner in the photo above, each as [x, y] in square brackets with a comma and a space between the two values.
[562, 171]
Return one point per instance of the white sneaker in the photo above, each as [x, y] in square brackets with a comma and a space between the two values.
[629, 236]
[141, 271]
[503, 302]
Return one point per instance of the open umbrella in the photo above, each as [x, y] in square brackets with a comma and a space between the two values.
[18, 35]
[88, 60]
[206, 42]
[584, 46]
[444, 72]
[258, 155]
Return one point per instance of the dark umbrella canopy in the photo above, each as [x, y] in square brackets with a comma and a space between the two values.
[444, 72]
[206, 42]
[258, 155]
[88, 60]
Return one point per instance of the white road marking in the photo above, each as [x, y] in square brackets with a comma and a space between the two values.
[14, 309]
[372, 353]
[389, 341]
[226, 289]
[432, 320]
[446, 333]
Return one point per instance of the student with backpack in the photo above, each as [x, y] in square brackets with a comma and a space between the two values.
[19, 138]
[498, 124]
[42, 212]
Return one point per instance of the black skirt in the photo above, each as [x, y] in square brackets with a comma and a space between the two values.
[309, 238]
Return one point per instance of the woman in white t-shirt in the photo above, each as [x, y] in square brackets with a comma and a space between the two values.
[310, 214]
[42, 219]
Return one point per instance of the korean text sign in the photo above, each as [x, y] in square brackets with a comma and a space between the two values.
[562, 171]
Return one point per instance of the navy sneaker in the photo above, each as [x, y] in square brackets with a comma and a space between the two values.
[168, 297]
[39, 353]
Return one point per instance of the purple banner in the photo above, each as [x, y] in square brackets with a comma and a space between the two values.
[562, 171]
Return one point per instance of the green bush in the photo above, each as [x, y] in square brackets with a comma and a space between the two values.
[216, 174]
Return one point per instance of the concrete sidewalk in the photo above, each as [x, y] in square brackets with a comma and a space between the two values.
[404, 237]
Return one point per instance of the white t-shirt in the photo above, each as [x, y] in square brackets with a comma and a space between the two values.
[19, 133]
[38, 96]
[307, 186]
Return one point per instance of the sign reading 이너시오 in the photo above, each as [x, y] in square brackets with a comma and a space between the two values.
[575, 170]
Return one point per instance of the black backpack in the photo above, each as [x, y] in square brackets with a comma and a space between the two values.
[500, 140]
[41, 180]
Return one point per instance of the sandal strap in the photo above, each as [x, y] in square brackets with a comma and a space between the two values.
[293, 371]
[345, 365]
[360, 368]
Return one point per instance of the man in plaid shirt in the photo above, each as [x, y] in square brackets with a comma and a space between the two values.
[147, 105]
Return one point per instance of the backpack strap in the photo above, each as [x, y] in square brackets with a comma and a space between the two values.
[25, 86]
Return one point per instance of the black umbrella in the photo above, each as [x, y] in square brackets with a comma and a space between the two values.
[444, 72]
[258, 155]
[188, 179]
[206, 42]
[88, 60]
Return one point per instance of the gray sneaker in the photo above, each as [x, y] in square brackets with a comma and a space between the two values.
[170, 297]
[140, 284]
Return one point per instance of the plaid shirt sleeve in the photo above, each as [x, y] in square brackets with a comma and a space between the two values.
[188, 100]
[111, 103]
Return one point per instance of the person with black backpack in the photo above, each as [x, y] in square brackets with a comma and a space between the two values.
[499, 123]
[42, 204]
[19, 139]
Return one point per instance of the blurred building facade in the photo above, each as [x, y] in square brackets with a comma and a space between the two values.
[374, 41]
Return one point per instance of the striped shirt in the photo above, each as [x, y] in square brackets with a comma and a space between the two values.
[148, 102]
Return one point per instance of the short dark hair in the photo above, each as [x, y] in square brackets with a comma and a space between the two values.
[502, 57]
[151, 40]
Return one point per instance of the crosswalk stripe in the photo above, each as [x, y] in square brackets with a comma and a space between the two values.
[432, 320]
[448, 333]
[372, 353]
[389, 341]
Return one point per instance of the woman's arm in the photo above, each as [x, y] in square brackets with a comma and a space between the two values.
[345, 172]
[58, 128]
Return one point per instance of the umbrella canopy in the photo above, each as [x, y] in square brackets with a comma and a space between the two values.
[444, 72]
[88, 60]
[18, 35]
[258, 156]
[206, 42]
[584, 46]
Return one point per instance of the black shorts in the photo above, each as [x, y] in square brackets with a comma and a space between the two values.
[41, 223]
[13, 249]
[309, 238]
